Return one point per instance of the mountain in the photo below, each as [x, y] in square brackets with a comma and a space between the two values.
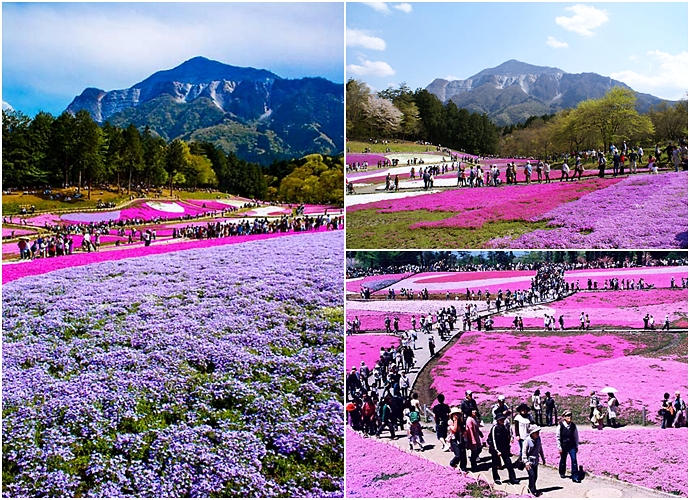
[514, 91]
[251, 112]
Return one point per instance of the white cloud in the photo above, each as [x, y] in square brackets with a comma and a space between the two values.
[584, 20]
[379, 7]
[667, 77]
[359, 38]
[405, 7]
[370, 68]
[58, 49]
[556, 44]
[451, 78]
[6, 106]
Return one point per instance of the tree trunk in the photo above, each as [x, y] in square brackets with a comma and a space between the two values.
[79, 183]
[129, 185]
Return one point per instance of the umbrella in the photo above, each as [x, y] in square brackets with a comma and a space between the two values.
[608, 389]
[350, 407]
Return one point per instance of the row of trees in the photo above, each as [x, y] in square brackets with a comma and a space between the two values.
[426, 259]
[74, 151]
[596, 124]
[419, 115]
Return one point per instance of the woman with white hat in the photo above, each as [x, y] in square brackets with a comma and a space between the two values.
[531, 451]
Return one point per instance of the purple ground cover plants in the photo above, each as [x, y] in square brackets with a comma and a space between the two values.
[198, 373]
[638, 212]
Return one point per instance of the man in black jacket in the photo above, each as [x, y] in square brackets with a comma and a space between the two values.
[499, 447]
[568, 443]
[468, 404]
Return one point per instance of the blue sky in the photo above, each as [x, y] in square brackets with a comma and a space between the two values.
[644, 45]
[52, 51]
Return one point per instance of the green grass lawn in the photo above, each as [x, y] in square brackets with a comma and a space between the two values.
[399, 147]
[370, 229]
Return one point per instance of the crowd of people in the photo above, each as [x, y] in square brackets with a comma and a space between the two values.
[62, 243]
[375, 407]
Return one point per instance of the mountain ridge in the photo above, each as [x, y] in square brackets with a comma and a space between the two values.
[513, 91]
[300, 115]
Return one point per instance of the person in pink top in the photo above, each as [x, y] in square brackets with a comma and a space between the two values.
[473, 437]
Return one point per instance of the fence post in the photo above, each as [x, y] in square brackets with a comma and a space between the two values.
[644, 415]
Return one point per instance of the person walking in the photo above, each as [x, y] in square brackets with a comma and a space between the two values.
[549, 407]
[522, 423]
[432, 346]
[441, 413]
[531, 451]
[537, 407]
[598, 417]
[456, 430]
[474, 438]
[499, 448]
[568, 441]
[593, 403]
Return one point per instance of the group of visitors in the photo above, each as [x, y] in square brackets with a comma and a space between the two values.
[673, 412]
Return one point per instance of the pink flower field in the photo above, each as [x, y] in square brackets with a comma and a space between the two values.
[482, 361]
[660, 277]
[458, 283]
[378, 470]
[366, 348]
[474, 207]
[619, 308]
[651, 457]
[7, 232]
[640, 381]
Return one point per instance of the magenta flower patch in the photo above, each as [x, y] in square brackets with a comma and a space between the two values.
[482, 361]
[367, 348]
[627, 454]
[378, 470]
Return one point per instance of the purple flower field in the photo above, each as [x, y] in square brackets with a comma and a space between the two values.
[638, 212]
[199, 373]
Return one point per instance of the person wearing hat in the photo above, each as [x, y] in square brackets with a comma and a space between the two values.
[531, 451]
[468, 404]
[458, 442]
[568, 442]
[499, 446]
[500, 407]
[522, 423]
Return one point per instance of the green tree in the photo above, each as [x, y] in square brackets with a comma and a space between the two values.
[356, 98]
[613, 116]
[86, 152]
[132, 154]
[176, 160]
[670, 121]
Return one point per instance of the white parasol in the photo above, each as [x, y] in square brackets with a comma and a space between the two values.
[608, 389]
